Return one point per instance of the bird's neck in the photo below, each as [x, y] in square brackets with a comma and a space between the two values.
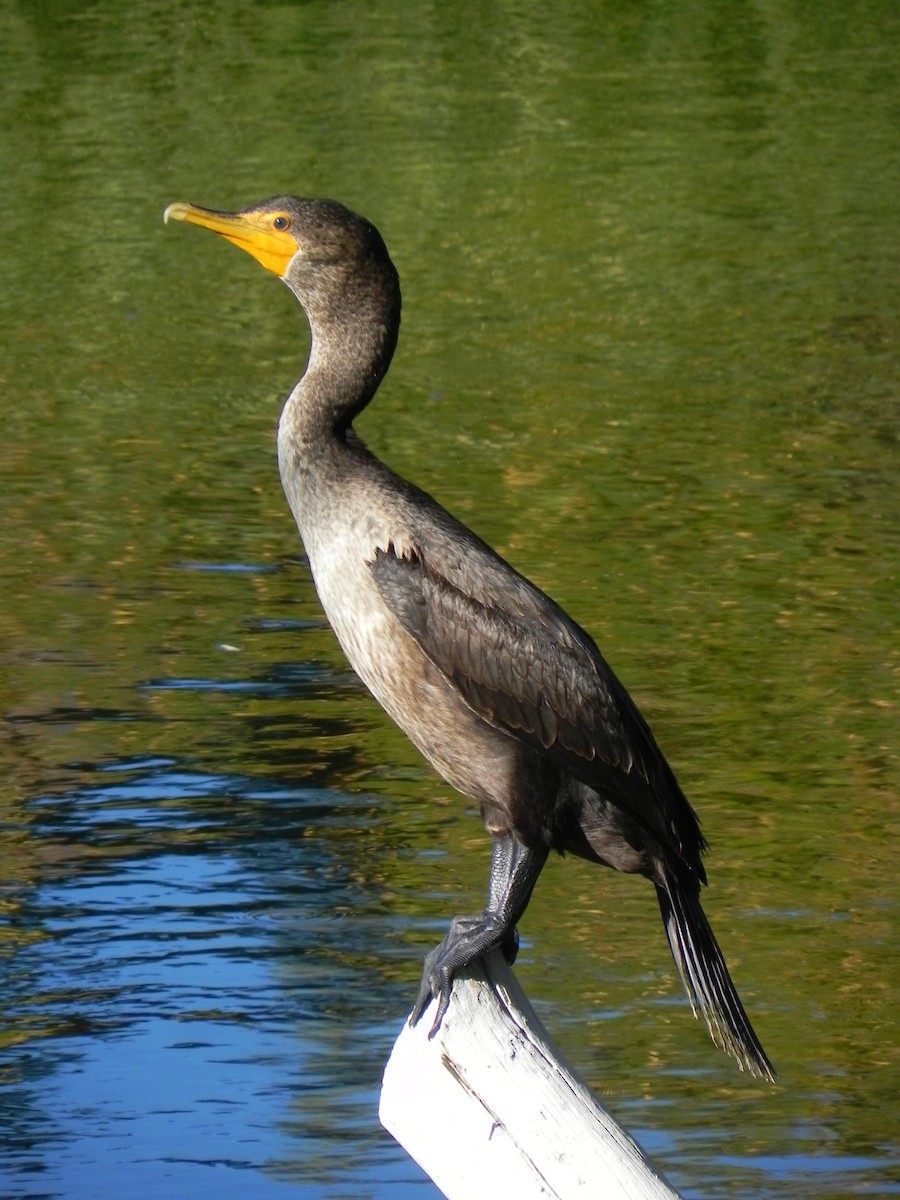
[317, 447]
[350, 352]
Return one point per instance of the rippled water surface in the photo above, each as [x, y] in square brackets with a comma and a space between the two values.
[650, 351]
[184, 1009]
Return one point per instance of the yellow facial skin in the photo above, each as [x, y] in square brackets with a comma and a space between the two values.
[265, 235]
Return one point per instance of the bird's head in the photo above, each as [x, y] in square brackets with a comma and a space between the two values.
[336, 264]
[293, 237]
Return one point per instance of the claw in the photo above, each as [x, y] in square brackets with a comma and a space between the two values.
[443, 1005]
[432, 988]
[514, 869]
[418, 1008]
[422, 1000]
[467, 938]
[437, 982]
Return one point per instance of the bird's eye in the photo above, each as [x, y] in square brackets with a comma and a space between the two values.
[281, 222]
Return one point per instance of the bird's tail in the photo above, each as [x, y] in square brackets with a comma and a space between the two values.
[706, 980]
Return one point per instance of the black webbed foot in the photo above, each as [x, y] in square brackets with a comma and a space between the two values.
[514, 871]
[467, 938]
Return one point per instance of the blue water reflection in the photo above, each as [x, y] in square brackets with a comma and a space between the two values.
[201, 1023]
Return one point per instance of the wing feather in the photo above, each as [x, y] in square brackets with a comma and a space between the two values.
[526, 668]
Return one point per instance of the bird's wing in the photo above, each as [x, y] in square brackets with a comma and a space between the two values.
[523, 666]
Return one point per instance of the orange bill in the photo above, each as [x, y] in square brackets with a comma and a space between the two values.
[264, 234]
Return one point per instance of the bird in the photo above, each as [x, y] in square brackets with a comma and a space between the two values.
[508, 699]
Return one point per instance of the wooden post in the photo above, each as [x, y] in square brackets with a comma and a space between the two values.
[488, 1108]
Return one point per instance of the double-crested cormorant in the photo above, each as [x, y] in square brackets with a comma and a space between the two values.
[503, 693]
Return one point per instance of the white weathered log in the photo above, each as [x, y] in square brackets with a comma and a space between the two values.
[489, 1108]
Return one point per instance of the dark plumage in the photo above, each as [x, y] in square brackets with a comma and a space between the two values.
[505, 695]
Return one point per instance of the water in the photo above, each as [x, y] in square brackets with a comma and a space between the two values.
[649, 351]
[194, 1023]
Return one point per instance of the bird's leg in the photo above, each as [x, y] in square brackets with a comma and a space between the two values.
[514, 872]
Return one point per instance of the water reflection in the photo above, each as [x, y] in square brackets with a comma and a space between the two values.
[197, 944]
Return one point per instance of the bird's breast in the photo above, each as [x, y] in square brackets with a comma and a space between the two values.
[345, 517]
[476, 759]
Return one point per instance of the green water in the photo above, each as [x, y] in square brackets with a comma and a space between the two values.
[649, 350]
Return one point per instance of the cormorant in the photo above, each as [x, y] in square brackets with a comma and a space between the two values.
[505, 695]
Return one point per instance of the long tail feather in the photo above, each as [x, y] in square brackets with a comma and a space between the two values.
[707, 982]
